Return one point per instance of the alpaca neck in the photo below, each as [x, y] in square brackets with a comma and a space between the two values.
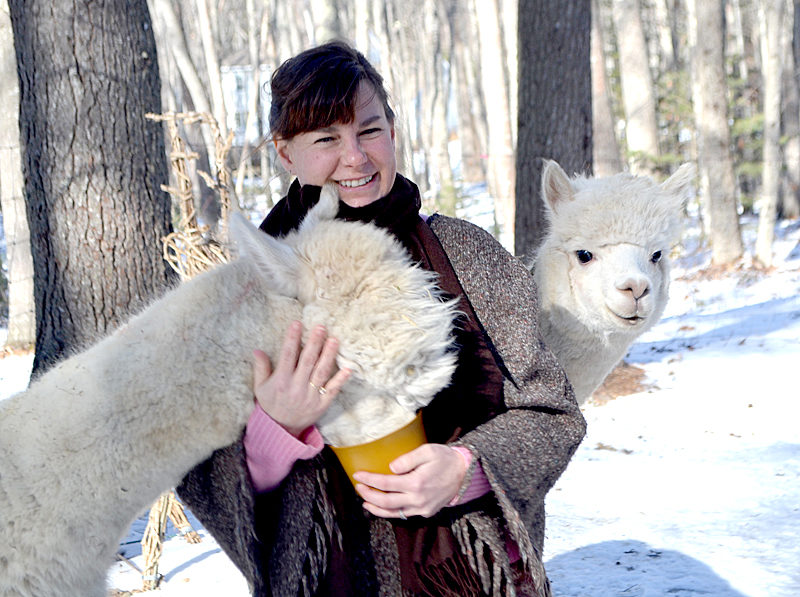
[586, 355]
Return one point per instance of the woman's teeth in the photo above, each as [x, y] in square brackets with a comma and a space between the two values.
[359, 182]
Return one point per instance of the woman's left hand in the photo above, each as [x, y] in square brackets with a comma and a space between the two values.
[425, 480]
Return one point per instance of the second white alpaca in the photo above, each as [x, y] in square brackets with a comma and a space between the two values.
[602, 270]
[96, 439]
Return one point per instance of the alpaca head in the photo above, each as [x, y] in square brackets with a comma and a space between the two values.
[393, 327]
[605, 261]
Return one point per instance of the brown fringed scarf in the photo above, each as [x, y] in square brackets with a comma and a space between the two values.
[430, 560]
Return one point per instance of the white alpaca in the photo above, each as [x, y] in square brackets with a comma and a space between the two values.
[603, 269]
[93, 442]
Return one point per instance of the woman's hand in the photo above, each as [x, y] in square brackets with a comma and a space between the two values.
[425, 480]
[304, 382]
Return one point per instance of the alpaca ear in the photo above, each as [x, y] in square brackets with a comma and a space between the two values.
[275, 260]
[680, 183]
[556, 187]
[326, 208]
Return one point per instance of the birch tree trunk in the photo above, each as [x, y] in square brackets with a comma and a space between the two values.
[606, 154]
[93, 166]
[638, 94]
[555, 111]
[495, 92]
[710, 100]
[21, 317]
[770, 15]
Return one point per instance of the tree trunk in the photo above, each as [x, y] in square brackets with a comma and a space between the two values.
[555, 111]
[495, 92]
[665, 22]
[327, 25]
[709, 90]
[790, 195]
[469, 98]
[737, 29]
[21, 317]
[254, 23]
[93, 166]
[638, 94]
[606, 154]
[212, 65]
[770, 15]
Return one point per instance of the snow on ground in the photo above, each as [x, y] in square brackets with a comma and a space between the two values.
[690, 487]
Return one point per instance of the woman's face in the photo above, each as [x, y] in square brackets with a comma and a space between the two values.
[359, 156]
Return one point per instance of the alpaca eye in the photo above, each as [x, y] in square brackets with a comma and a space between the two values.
[584, 256]
[655, 257]
[411, 370]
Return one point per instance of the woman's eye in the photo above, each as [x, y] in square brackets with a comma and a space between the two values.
[583, 256]
[372, 131]
[324, 140]
[655, 257]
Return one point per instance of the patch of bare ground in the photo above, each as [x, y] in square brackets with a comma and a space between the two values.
[623, 380]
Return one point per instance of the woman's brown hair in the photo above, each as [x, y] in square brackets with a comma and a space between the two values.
[318, 88]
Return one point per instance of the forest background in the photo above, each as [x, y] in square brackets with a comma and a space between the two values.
[483, 89]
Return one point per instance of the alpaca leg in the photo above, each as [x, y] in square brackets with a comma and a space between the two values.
[178, 518]
[153, 540]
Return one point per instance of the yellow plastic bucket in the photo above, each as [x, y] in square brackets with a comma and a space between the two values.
[376, 455]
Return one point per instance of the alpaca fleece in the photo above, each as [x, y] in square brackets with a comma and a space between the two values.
[95, 440]
[603, 268]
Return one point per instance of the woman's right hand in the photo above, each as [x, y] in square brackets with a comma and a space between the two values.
[304, 382]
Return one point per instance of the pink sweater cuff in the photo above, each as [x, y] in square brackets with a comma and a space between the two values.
[272, 451]
[478, 484]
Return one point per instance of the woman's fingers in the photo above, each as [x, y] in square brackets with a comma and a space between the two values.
[426, 479]
[290, 349]
[310, 354]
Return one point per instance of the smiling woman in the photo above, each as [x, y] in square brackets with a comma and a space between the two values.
[357, 155]
[461, 515]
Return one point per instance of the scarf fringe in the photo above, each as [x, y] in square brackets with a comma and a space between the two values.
[483, 542]
[323, 530]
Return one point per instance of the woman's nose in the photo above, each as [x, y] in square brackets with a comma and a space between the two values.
[352, 152]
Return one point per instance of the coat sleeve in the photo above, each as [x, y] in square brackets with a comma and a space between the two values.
[524, 450]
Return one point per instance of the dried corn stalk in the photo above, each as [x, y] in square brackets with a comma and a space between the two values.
[189, 250]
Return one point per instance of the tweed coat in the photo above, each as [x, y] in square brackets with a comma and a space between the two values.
[522, 451]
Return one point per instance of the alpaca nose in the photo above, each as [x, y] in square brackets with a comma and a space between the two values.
[638, 287]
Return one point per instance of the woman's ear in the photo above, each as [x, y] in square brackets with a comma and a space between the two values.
[282, 147]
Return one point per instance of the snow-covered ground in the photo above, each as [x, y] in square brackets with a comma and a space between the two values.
[690, 487]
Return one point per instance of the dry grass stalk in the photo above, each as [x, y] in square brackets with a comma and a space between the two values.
[189, 250]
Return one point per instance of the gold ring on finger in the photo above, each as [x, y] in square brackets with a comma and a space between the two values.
[320, 389]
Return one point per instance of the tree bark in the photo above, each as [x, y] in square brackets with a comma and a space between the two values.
[93, 166]
[770, 15]
[21, 317]
[709, 91]
[638, 93]
[555, 111]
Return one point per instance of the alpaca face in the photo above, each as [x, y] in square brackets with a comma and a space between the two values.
[602, 271]
[606, 258]
[393, 327]
[618, 288]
